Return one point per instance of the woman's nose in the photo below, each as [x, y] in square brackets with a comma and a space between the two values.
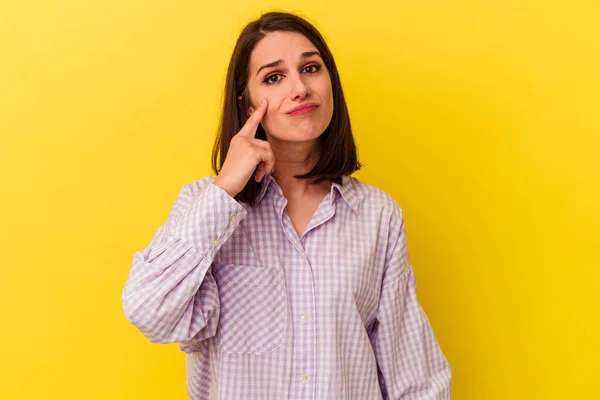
[299, 88]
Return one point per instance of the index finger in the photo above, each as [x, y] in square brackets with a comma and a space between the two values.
[249, 128]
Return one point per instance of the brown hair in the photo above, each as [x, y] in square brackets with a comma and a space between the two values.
[338, 154]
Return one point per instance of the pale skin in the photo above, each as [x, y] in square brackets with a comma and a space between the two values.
[286, 71]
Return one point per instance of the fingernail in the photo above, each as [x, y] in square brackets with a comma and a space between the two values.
[263, 102]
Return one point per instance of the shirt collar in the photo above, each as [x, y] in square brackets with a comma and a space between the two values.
[265, 183]
[347, 189]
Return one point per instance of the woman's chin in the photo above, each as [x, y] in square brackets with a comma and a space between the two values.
[297, 136]
[301, 138]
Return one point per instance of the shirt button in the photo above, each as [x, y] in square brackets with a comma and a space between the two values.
[304, 377]
[216, 242]
[303, 317]
[234, 218]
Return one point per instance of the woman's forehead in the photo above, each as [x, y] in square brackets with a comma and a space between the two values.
[284, 46]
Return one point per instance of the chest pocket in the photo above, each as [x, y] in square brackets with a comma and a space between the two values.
[252, 308]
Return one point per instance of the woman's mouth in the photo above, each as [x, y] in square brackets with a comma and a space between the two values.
[303, 109]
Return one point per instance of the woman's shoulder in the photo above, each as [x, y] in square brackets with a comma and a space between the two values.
[372, 197]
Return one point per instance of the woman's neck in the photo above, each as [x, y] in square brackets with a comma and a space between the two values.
[295, 158]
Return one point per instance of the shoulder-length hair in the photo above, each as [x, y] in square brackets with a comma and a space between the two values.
[338, 153]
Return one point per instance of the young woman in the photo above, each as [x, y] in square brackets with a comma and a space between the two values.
[283, 277]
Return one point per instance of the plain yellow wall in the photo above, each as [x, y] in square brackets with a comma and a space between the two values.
[482, 119]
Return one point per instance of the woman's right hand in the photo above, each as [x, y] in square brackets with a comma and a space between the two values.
[244, 155]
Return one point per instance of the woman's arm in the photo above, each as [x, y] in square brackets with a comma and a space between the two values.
[410, 362]
[170, 294]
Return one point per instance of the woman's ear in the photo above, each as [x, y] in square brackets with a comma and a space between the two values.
[242, 102]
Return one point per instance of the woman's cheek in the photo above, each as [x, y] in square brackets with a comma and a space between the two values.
[272, 107]
[270, 123]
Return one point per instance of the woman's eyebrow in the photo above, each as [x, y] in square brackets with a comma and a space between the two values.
[306, 54]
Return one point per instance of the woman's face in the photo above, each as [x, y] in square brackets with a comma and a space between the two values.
[287, 70]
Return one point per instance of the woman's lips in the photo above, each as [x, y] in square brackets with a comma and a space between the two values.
[304, 110]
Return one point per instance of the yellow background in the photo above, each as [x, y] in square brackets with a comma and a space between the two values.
[482, 119]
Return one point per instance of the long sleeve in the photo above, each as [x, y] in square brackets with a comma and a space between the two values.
[410, 363]
[170, 294]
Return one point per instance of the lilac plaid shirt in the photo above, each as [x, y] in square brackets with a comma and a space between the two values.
[264, 314]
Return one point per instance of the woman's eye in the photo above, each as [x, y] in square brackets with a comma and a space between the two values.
[311, 69]
[271, 79]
